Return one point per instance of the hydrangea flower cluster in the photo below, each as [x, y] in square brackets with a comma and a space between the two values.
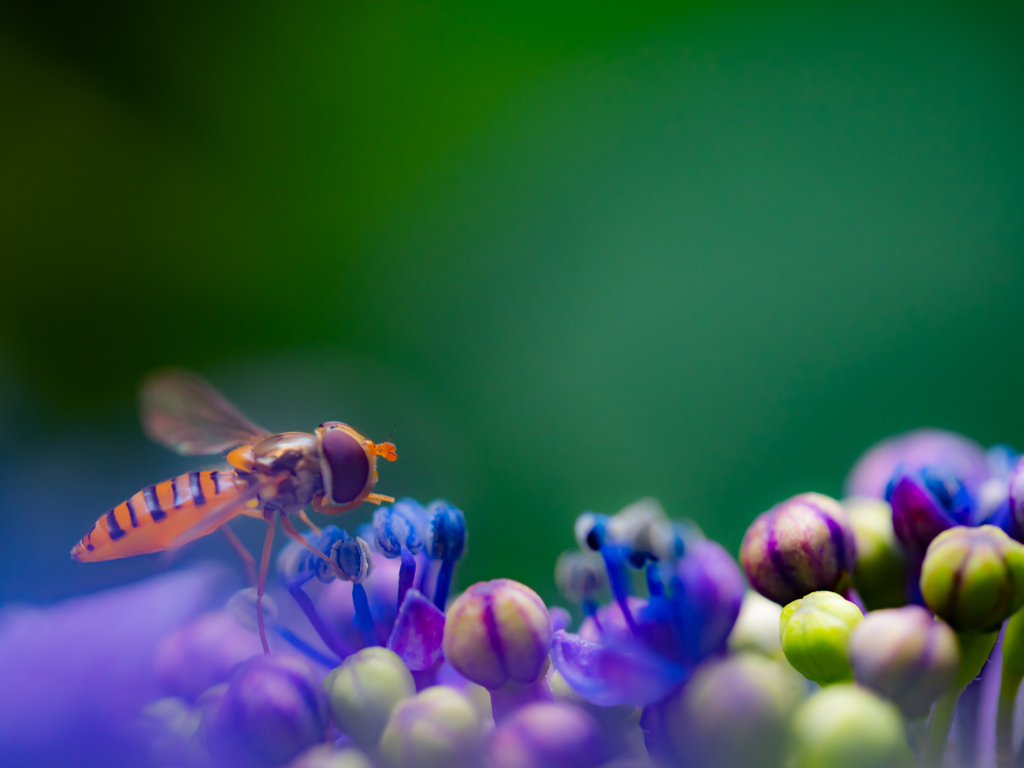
[849, 633]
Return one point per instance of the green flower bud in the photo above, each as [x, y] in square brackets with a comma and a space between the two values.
[815, 633]
[844, 726]
[757, 627]
[364, 690]
[437, 728]
[973, 577]
[881, 573]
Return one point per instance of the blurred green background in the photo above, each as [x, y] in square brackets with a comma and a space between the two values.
[573, 253]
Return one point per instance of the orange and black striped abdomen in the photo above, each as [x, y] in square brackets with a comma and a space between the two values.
[156, 517]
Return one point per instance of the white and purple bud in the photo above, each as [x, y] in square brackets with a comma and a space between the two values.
[905, 655]
[547, 735]
[580, 577]
[802, 545]
[272, 709]
[437, 728]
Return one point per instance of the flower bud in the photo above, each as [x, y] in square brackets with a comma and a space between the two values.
[757, 627]
[364, 690]
[734, 712]
[905, 655]
[547, 735]
[402, 525]
[844, 726]
[498, 631]
[958, 455]
[202, 654]
[924, 504]
[272, 709]
[973, 577]
[326, 756]
[815, 633]
[881, 573]
[1016, 493]
[445, 532]
[437, 728]
[803, 545]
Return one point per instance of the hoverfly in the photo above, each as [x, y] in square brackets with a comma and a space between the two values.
[269, 476]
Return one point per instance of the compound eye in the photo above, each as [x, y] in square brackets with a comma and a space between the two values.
[347, 463]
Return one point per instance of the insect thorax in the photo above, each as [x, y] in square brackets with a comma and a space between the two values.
[298, 455]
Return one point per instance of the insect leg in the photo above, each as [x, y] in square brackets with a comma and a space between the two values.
[290, 530]
[305, 518]
[248, 562]
[376, 498]
[262, 585]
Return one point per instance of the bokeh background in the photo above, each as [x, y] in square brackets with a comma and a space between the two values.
[572, 253]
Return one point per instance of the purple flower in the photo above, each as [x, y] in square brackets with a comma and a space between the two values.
[803, 545]
[925, 503]
[273, 708]
[959, 455]
[77, 674]
[547, 735]
[334, 602]
[202, 654]
[615, 661]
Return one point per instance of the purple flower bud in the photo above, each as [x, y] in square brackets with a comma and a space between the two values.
[906, 655]
[733, 712]
[924, 504]
[803, 545]
[498, 631]
[956, 454]
[547, 735]
[273, 708]
[202, 654]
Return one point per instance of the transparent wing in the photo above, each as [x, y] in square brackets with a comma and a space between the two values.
[183, 412]
[216, 516]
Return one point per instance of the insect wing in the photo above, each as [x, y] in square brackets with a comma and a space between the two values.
[216, 516]
[183, 412]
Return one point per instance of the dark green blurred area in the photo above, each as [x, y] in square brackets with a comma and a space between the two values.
[575, 255]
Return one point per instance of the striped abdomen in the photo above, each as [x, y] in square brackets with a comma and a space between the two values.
[155, 517]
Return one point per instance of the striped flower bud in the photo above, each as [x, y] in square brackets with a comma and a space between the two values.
[402, 525]
[803, 545]
[905, 655]
[815, 633]
[844, 726]
[547, 735]
[498, 631]
[437, 728]
[272, 709]
[734, 712]
[881, 573]
[364, 690]
[973, 577]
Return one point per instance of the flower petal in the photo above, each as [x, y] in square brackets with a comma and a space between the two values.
[418, 632]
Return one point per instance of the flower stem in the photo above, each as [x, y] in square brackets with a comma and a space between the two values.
[444, 582]
[975, 648]
[1012, 674]
[330, 638]
[363, 618]
[406, 574]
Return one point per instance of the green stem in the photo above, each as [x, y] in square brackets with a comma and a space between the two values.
[1012, 674]
[975, 648]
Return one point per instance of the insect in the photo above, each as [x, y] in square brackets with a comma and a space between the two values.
[269, 476]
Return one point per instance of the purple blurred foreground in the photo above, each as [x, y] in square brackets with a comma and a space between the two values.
[76, 674]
